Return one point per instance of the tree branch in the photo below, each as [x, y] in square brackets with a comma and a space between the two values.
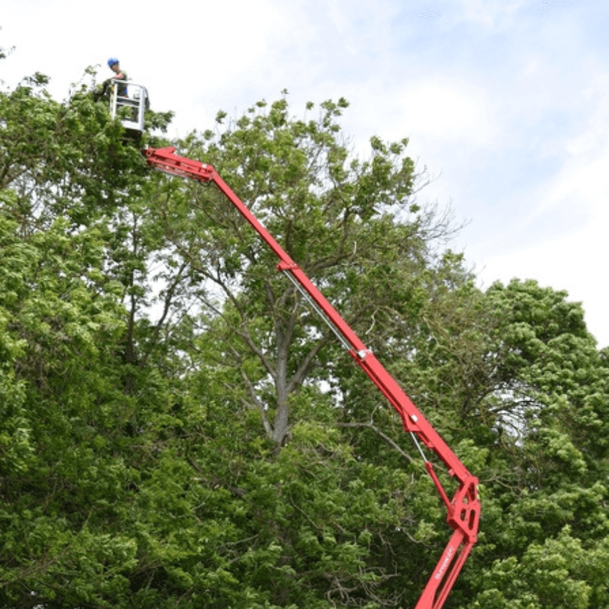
[381, 435]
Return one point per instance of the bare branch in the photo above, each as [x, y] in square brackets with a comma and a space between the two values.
[381, 435]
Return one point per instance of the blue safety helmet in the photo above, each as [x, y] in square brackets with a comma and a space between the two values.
[112, 61]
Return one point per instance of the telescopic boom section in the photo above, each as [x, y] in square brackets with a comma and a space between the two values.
[464, 508]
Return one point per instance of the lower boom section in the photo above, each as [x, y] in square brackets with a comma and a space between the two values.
[446, 571]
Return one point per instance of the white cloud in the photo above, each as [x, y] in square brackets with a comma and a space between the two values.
[487, 13]
[576, 263]
[574, 254]
[449, 110]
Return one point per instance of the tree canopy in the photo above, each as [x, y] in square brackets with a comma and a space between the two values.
[179, 429]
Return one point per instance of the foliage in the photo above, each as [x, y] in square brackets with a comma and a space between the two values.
[179, 429]
[353, 227]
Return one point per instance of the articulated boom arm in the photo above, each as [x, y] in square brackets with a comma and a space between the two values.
[464, 508]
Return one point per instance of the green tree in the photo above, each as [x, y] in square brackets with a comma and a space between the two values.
[544, 407]
[357, 230]
[179, 429]
[353, 227]
[72, 433]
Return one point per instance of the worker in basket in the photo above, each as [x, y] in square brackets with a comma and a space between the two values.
[119, 74]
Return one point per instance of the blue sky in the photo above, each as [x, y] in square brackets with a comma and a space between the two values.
[505, 103]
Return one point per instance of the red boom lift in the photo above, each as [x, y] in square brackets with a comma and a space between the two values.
[464, 508]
